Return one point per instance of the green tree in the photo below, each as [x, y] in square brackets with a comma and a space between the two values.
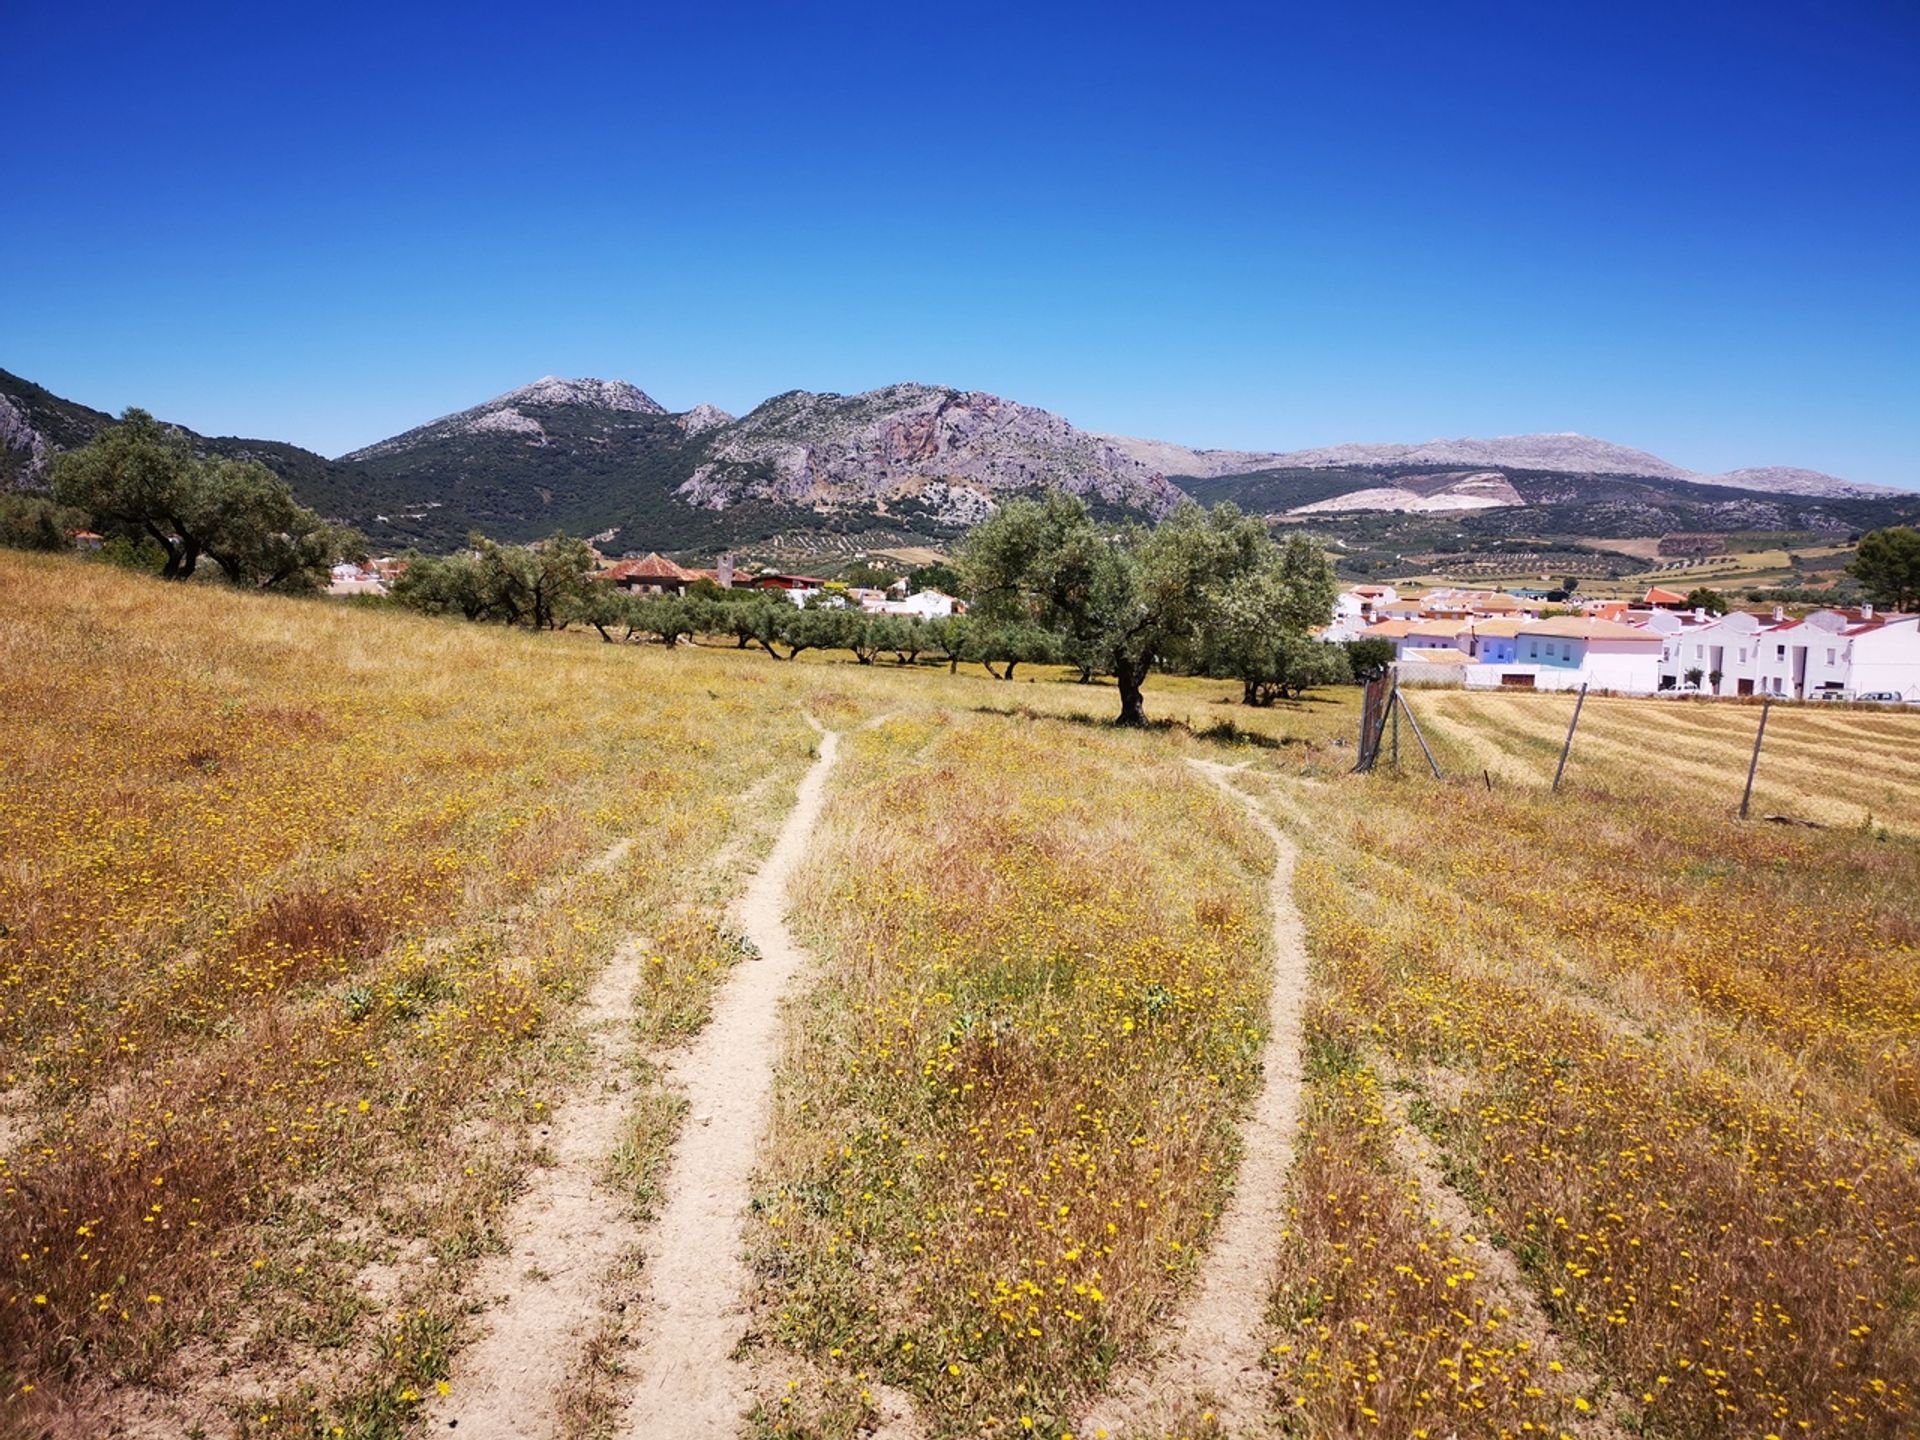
[141, 478]
[37, 522]
[1369, 657]
[1260, 636]
[822, 627]
[1887, 565]
[544, 585]
[868, 575]
[937, 576]
[951, 636]
[1124, 601]
[1009, 645]
[261, 536]
[1702, 597]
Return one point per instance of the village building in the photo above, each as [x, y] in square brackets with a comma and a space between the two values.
[653, 574]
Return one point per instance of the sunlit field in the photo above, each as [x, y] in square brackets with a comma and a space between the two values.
[294, 901]
[1835, 764]
[1610, 1102]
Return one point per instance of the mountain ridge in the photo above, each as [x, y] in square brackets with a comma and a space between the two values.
[915, 464]
[1566, 452]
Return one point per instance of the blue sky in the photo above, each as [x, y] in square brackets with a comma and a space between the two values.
[1690, 227]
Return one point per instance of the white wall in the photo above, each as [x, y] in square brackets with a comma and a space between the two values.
[1887, 658]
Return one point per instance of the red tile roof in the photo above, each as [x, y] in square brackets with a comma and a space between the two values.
[652, 567]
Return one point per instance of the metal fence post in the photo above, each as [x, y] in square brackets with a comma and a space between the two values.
[1572, 725]
[1753, 765]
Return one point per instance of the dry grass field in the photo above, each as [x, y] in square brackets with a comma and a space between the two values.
[316, 918]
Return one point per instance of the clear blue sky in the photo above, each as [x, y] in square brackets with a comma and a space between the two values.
[1694, 228]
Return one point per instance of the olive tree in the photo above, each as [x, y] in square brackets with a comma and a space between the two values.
[142, 478]
[1129, 598]
[1887, 565]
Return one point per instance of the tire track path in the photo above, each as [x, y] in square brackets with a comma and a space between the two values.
[1213, 1352]
[689, 1384]
[564, 1235]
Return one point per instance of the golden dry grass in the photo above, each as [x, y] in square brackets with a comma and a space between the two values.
[296, 900]
[299, 900]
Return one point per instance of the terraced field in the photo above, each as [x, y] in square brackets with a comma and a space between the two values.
[417, 1028]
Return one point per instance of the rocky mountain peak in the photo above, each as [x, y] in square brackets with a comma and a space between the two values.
[519, 413]
[929, 449]
[702, 418]
[595, 394]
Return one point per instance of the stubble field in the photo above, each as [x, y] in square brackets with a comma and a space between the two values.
[1607, 1103]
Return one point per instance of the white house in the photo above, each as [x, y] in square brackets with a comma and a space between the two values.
[1884, 656]
[1569, 651]
[1727, 647]
[926, 605]
[1354, 610]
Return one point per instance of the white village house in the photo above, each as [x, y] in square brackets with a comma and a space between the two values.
[1482, 639]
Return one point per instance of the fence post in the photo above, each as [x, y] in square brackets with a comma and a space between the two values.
[1572, 725]
[1753, 765]
[1415, 723]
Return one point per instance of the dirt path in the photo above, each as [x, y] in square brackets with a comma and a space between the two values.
[688, 1382]
[1211, 1357]
[565, 1234]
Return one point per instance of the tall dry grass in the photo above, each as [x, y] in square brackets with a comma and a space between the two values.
[1006, 1118]
[296, 898]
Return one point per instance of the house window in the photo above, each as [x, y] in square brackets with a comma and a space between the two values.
[1779, 652]
[1743, 652]
[1829, 655]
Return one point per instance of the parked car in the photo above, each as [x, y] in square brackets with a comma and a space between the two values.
[1881, 697]
[1828, 695]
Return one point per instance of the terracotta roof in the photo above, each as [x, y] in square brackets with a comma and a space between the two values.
[1438, 655]
[1577, 627]
[1660, 595]
[652, 567]
[1448, 628]
[1389, 630]
[1499, 628]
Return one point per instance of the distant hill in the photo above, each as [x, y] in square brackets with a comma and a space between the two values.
[923, 461]
[916, 464]
[36, 425]
[1566, 454]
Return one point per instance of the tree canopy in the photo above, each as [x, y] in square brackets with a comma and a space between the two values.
[1201, 588]
[1887, 565]
[543, 585]
[141, 478]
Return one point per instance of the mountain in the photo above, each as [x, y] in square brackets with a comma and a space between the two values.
[1567, 454]
[518, 414]
[915, 464]
[593, 456]
[946, 454]
[36, 425]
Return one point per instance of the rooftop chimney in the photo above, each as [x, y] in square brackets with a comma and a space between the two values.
[1866, 612]
[723, 568]
[1779, 613]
